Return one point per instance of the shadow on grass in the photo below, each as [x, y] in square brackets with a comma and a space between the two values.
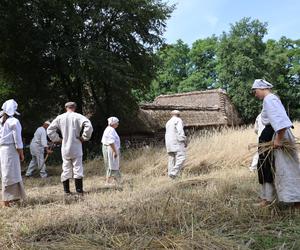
[105, 189]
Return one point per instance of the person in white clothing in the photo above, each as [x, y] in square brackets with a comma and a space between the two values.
[111, 151]
[175, 144]
[38, 146]
[11, 153]
[278, 169]
[75, 129]
[258, 128]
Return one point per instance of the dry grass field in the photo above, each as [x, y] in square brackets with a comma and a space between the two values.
[209, 207]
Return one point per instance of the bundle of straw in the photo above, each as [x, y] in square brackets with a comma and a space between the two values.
[288, 147]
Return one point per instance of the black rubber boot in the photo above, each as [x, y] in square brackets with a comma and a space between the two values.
[67, 186]
[78, 186]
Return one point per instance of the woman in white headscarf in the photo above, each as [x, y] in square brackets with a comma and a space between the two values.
[111, 151]
[11, 153]
[278, 170]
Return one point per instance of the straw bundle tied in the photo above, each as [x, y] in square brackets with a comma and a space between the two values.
[287, 147]
[268, 146]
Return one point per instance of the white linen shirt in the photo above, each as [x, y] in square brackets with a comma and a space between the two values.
[175, 137]
[11, 132]
[274, 113]
[111, 136]
[70, 124]
[40, 138]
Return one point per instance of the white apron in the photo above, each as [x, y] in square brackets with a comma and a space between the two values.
[287, 173]
[112, 163]
[10, 165]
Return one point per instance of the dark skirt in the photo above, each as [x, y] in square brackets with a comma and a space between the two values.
[265, 166]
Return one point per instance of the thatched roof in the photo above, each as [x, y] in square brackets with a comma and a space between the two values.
[198, 109]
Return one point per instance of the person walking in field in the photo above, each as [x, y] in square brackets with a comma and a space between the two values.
[175, 140]
[75, 129]
[279, 168]
[258, 128]
[111, 151]
[11, 153]
[38, 146]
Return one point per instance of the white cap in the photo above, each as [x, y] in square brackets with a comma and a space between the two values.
[175, 112]
[70, 105]
[47, 122]
[10, 107]
[261, 84]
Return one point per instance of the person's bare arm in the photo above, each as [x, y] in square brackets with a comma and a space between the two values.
[21, 154]
[278, 138]
[115, 152]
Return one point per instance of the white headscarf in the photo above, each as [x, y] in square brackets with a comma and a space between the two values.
[112, 120]
[10, 108]
[261, 84]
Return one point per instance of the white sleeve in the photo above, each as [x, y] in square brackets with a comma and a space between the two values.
[180, 132]
[43, 135]
[277, 114]
[17, 135]
[87, 129]
[109, 137]
[52, 131]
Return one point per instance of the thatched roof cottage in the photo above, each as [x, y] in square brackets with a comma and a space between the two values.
[199, 109]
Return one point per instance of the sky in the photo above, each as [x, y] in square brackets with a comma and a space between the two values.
[198, 19]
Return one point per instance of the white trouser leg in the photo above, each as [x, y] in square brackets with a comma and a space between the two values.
[267, 191]
[41, 164]
[171, 162]
[67, 169]
[179, 160]
[31, 166]
[77, 167]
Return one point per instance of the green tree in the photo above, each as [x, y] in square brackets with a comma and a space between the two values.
[96, 53]
[283, 70]
[174, 61]
[202, 68]
[240, 61]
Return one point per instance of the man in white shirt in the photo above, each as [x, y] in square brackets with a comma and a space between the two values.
[75, 129]
[175, 143]
[38, 146]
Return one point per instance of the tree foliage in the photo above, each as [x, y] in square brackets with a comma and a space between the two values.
[233, 61]
[283, 63]
[240, 61]
[96, 53]
[202, 69]
[109, 55]
[173, 69]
